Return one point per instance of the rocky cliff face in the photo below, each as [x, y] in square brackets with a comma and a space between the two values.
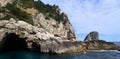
[58, 25]
[61, 29]
[32, 28]
[35, 39]
[4, 2]
[35, 26]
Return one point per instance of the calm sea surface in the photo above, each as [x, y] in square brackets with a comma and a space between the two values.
[87, 55]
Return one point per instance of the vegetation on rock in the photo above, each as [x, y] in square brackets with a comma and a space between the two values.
[18, 13]
[27, 3]
[16, 10]
[50, 11]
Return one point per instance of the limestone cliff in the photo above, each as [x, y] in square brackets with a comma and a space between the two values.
[33, 25]
[53, 21]
[34, 38]
[4, 2]
[52, 26]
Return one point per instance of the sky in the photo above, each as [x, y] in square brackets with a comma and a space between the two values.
[85, 16]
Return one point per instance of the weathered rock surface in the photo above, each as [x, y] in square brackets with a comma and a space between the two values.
[93, 42]
[61, 29]
[100, 45]
[36, 38]
[46, 34]
[92, 36]
[4, 2]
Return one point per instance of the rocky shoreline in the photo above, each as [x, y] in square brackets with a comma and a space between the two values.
[36, 39]
[28, 27]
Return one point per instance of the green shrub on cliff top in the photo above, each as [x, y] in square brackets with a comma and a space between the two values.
[6, 17]
[18, 13]
[27, 3]
[49, 11]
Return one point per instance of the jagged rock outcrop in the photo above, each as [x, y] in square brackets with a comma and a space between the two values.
[37, 38]
[57, 25]
[92, 36]
[93, 42]
[100, 45]
[4, 2]
[41, 27]
[33, 25]
[61, 29]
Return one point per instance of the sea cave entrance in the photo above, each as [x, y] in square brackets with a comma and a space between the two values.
[13, 42]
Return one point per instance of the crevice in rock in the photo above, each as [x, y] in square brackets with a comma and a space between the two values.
[12, 42]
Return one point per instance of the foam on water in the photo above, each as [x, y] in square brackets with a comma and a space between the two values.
[103, 51]
[89, 54]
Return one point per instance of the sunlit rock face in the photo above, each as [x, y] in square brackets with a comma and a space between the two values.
[24, 27]
[62, 29]
[19, 35]
[92, 36]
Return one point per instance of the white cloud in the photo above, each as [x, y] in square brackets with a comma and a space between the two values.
[92, 15]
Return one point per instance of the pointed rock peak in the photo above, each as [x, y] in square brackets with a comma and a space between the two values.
[94, 35]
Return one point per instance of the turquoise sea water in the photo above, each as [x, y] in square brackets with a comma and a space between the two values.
[86, 55]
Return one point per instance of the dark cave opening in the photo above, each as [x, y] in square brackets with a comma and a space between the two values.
[13, 42]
